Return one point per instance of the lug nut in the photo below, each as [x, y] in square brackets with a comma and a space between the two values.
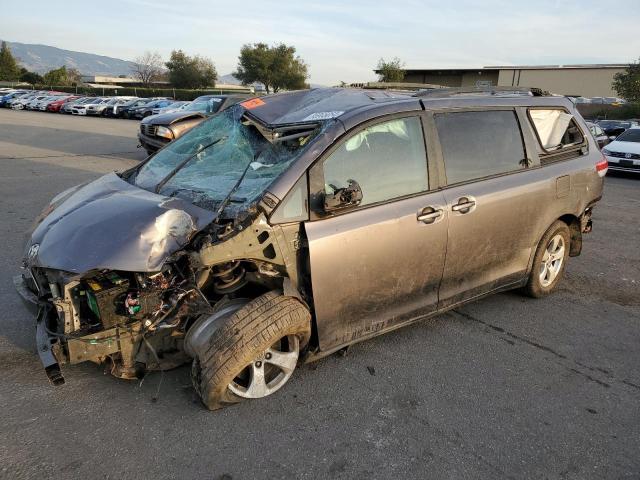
[268, 356]
[258, 364]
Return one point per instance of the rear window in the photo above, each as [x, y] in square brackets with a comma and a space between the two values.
[480, 144]
[557, 130]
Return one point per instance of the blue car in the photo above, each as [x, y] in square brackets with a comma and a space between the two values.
[4, 99]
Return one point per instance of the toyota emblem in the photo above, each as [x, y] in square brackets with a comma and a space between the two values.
[627, 155]
[33, 251]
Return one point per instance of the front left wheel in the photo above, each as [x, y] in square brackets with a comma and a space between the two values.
[253, 353]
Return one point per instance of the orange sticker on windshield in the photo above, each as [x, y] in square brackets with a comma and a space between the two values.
[253, 103]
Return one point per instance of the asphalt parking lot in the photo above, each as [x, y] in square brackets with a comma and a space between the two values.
[507, 387]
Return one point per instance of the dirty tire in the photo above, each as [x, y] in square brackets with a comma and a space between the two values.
[534, 287]
[241, 339]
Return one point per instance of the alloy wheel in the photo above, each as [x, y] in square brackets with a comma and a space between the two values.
[552, 260]
[269, 371]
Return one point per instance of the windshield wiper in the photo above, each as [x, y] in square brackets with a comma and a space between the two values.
[227, 199]
[184, 162]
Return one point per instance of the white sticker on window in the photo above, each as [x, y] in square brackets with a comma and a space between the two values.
[323, 115]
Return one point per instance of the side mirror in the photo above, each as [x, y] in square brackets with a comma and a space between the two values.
[341, 198]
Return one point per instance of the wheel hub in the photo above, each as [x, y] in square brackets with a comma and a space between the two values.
[552, 260]
[269, 370]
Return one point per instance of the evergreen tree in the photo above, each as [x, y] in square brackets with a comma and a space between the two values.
[9, 70]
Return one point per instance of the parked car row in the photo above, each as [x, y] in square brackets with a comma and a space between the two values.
[163, 119]
[110, 106]
[600, 100]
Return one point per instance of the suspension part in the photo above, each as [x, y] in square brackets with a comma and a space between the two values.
[228, 277]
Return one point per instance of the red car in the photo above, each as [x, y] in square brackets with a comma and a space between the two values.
[57, 105]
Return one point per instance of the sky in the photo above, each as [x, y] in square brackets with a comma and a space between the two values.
[339, 40]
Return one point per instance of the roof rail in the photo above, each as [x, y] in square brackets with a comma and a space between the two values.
[493, 91]
[398, 86]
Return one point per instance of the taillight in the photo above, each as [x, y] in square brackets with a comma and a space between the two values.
[602, 166]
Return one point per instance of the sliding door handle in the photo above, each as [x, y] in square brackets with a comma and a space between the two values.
[464, 205]
[429, 214]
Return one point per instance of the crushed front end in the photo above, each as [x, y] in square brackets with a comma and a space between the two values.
[135, 322]
[119, 270]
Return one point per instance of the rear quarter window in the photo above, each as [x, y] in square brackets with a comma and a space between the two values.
[558, 134]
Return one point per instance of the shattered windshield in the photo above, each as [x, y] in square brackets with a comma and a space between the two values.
[204, 165]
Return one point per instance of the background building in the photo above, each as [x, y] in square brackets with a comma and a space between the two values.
[576, 80]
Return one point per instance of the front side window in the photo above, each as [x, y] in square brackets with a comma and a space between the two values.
[480, 144]
[387, 160]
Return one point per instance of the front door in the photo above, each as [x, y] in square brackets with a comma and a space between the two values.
[379, 264]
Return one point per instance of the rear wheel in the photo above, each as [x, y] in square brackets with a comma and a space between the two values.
[550, 261]
[253, 353]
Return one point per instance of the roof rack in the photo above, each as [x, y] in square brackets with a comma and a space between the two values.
[396, 86]
[492, 91]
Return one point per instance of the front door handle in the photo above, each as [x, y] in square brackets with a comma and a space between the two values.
[464, 205]
[429, 214]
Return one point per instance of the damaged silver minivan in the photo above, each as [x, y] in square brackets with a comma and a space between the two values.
[293, 225]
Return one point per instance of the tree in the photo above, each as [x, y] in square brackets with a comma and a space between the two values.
[392, 71]
[9, 70]
[191, 72]
[62, 77]
[275, 67]
[73, 77]
[148, 67]
[627, 83]
[30, 77]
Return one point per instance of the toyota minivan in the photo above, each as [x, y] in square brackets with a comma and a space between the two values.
[293, 225]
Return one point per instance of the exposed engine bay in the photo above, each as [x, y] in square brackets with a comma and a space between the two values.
[136, 322]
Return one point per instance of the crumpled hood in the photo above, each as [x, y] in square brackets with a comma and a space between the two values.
[111, 224]
[172, 117]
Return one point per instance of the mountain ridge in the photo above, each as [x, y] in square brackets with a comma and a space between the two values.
[41, 58]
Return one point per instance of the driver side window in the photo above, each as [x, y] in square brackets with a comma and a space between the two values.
[388, 160]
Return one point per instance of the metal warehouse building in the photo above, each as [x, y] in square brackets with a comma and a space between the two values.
[579, 80]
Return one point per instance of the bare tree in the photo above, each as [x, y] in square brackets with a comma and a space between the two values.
[148, 67]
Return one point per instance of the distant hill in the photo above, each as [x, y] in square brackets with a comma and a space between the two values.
[229, 79]
[42, 58]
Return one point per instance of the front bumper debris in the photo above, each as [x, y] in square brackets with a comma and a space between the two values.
[44, 341]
